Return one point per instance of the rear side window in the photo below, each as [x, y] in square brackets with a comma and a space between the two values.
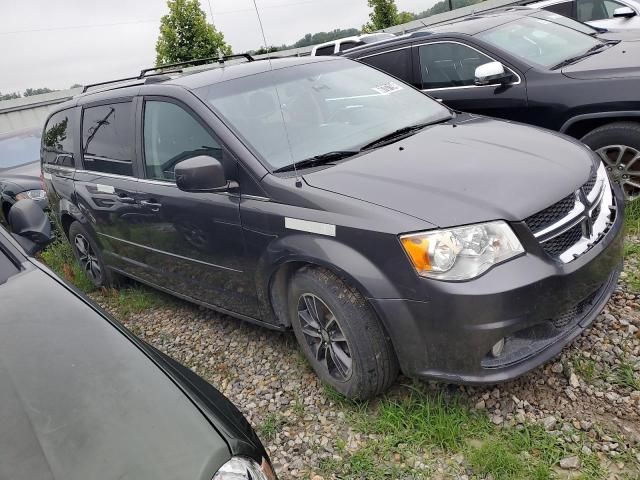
[396, 63]
[171, 135]
[324, 51]
[58, 140]
[564, 8]
[107, 138]
[350, 44]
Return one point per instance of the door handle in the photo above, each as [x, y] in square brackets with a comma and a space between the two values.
[152, 204]
[125, 199]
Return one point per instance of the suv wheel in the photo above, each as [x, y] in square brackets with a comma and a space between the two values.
[619, 146]
[340, 335]
[88, 256]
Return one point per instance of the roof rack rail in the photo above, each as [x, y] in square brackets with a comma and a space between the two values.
[145, 73]
[199, 61]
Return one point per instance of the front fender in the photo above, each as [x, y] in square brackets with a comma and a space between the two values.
[327, 252]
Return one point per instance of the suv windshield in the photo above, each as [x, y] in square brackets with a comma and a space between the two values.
[329, 106]
[18, 149]
[540, 41]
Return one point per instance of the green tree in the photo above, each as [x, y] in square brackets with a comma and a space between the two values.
[384, 15]
[36, 91]
[9, 96]
[185, 35]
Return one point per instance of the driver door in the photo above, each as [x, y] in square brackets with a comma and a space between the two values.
[447, 73]
[190, 243]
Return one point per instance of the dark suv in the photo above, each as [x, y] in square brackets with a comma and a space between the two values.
[323, 195]
[532, 66]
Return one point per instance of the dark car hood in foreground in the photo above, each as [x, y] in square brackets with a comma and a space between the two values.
[80, 401]
[621, 60]
[26, 176]
[479, 170]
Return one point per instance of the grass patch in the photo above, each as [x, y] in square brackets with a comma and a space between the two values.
[58, 256]
[632, 217]
[134, 299]
[625, 376]
[270, 426]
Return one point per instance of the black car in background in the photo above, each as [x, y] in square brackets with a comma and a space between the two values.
[20, 170]
[82, 398]
[324, 196]
[526, 65]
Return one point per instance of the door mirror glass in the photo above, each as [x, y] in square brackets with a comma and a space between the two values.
[491, 73]
[624, 12]
[30, 226]
[201, 174]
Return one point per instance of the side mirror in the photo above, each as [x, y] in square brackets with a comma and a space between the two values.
[202, 174]
[624, 12]
[30, 226]
[491, 73]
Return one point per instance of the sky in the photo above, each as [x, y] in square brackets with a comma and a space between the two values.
[56, 43]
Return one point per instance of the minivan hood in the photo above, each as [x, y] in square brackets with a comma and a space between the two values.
[621, 60]
[471, 169]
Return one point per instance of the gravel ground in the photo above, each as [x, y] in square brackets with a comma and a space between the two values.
[589, 390]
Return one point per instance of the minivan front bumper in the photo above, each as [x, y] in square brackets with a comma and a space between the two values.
[536, 304]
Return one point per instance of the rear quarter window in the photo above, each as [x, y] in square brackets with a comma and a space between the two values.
[396, 63]
[325, 51]
[59, 139]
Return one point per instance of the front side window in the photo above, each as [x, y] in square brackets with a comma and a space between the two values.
[449, 64]
[170, 136]
[299, 112]
[107, 138]
[396, 63]
[58, 140]
[539, 41]
[562, 8]
[589, 10]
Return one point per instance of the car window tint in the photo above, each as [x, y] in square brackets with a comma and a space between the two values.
[58, 139]
[324, 51]
[589, 10]
[564, 8]
[107, 138]
[396, 63]
[347, 45]
[449, 64]
[172, 135]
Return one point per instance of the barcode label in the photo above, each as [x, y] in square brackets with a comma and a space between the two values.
[387, 88]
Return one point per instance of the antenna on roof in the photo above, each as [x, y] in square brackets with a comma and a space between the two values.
[286, 132]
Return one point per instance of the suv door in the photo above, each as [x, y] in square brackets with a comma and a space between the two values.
[599, 13]
[192, 242]
[106, 185]
[447, 72]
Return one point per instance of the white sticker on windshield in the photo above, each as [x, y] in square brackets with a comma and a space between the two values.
[387, 88]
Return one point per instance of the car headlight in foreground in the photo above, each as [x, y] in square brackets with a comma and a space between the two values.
[461, 253]
[241, 468]
[32, 195]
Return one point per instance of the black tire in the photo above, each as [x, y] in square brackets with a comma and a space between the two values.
[619, 146]
[91, 260]
[374, 365]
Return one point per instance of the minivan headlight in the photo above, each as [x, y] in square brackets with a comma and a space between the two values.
[461, 253]
[242, 468]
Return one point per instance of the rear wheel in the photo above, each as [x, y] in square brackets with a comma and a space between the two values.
[340, 335]
[618, 144]
[88, 256]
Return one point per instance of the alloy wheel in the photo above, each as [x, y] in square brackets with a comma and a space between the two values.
[88, 258]
[623, 166]
[324, 336]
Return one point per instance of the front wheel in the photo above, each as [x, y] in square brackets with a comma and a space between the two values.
[340, 335]
[618, 144]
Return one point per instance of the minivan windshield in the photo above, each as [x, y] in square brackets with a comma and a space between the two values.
[19, 148]
[540, 41]
[296, 113]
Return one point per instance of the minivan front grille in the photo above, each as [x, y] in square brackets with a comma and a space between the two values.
[571, 226]
[552, 214]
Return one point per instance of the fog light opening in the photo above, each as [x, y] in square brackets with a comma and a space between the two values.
[498, 348]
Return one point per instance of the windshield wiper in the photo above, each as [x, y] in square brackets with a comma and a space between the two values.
[592, 51]
[398, 134]
[316, 160]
